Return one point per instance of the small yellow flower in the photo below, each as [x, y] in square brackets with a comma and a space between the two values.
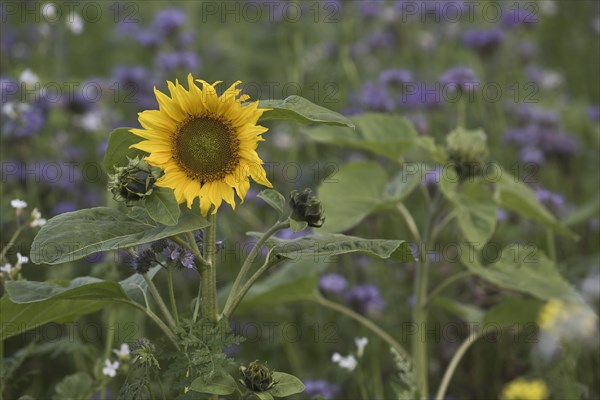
[551, 313]
[205, 143]
[520, 389]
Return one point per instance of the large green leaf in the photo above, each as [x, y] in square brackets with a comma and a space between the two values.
[33, 304]
[322, 246]
[296, 108]
[382, 134]
[162, 206]
[473, 205]
[292, 282]
[465, 312]
[221, 383]
[522, 268]
[274, 199]
[286, 385]
[29, 304]
[78, 386]
[584, 213]
[355, 192]
[118, 149]
[513, 312]
[513, 195]
[77, 234]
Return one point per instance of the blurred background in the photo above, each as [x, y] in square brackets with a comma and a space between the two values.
[72, 72]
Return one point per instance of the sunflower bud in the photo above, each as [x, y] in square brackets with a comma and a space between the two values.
[306, 208]
[133, 182]
[468, 151]
[257, 377]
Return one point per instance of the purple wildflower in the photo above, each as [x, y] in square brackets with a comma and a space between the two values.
[396, 76]
[183, 60]
[483, 41]
[376, 97]
[459, 78]
[594, 113]
[420, 95]
[187, 259]
[24, 120]
[148, 38]
[501, 215]
[365, 298]
[515, 18]
[553, 200]
[319, 387]
[332, 283]
[532, 155]
[63, 207]
[432, 177]
[169, 21]
[371, 8]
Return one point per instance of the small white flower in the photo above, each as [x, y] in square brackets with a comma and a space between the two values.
[36, 219]
[75, 23]
[123, 352]
[18, 204]
[91, 121]
[49, 11]
[548, 7]
[348, 362]
[21, 259]
[28, 78]
[6, 268]
[361, 342]
[10, 110]
[110, 368]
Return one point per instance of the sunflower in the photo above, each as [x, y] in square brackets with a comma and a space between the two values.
[204, 143]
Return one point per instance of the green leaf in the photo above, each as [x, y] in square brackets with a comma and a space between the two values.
[584, 213]
[74, 387]
[355, 193]
[274, 199]
[32, 304]
[263, 395]
[437, 153]
[401, 186]
[29, 304]
[292, 282]
[221, 383]
[513, 311]
[162, 206]
[382, 134]
[518, 197]
[324, 245]
[297, 226]
[475, 210]
[118, 149]
[522, 268]
[136, 287]
[74, 235]
[296, 108]
[286, 385]
[466, 312]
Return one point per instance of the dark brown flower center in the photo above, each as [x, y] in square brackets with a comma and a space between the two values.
[206, 148]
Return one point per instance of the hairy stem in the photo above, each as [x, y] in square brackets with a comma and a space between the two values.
[209, 273]
[172, 295]
[370, 325]
[161, 304]
[238, 297]
[227, 310]
[454, 363]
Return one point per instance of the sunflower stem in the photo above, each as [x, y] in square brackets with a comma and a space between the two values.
[208, 273]
[235, 289]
